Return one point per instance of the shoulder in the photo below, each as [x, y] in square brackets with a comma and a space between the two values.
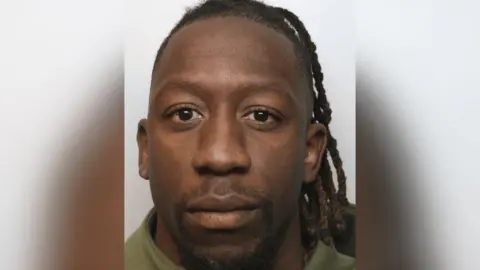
[325, 257]
[345, 242]
[343, 256]
[133, 250]
[136, 256]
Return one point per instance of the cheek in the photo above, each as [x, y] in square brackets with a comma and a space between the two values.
[280, 162]
[170, 170]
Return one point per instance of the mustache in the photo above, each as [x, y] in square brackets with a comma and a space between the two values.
[223, 188]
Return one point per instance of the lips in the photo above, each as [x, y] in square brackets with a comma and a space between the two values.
[222, 204]
[222, 213]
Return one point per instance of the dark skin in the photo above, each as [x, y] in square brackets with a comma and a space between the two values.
[229, 114]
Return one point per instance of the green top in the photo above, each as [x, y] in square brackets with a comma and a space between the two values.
[141, 253]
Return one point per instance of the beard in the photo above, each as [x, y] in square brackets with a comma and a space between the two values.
[261, 257]
[254, 248]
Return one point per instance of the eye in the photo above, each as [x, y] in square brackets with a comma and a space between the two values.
[184, 115]
[259, 116]
[263, 118]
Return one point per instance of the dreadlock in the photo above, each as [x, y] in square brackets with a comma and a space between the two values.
[321, 205]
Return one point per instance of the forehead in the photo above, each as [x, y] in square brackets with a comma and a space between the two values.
[232, 47]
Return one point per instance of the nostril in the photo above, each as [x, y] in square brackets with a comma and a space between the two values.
[221, 162]
[207, 170]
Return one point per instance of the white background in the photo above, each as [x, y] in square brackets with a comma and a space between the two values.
[331, 24]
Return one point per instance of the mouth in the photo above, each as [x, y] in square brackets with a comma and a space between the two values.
[222, 213]
[224, 221]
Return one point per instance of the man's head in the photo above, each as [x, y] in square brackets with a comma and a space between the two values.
[235, 159]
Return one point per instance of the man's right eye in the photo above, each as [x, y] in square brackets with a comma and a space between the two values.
[184, 115]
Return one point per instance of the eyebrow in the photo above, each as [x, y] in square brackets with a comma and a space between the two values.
[189, 86]
[182, 84]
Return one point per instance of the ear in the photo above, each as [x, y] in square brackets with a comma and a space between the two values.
[316, 144]
[142, 143]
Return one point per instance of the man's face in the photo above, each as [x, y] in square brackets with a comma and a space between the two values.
[226, 146]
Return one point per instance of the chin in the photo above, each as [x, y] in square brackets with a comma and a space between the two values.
[228, 257]
[247, 252]
[227, 252]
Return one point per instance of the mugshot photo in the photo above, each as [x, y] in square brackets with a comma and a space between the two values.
[240, 135]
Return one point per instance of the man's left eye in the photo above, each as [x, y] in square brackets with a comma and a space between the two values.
[260, 116]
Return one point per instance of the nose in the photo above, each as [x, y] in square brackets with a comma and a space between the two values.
[221, 149]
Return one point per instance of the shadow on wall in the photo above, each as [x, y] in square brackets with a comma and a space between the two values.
[389, 205]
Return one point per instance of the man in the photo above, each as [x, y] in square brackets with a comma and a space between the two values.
[235, 147]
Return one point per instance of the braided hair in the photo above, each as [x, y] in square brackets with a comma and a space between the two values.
[321, 204]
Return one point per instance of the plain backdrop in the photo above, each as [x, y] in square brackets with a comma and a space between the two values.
[332, 26]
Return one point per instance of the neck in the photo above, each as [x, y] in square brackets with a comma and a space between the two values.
[165, 242]
[290, 255]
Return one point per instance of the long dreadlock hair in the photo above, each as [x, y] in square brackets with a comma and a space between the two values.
[321, 204]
